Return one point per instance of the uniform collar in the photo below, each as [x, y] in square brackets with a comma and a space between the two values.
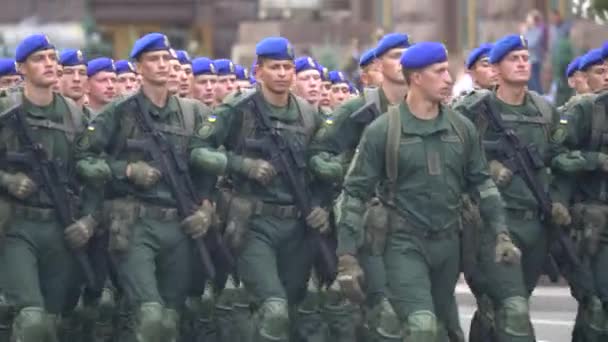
[37, 111]
[414, 126]
[157, 112]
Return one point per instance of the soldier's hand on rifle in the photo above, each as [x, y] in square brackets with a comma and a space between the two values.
[506, 251]
[560, 214]
[142, 174]
[259, 170]
[350, 278]
[318, 219]
[78, 233]
[500, 173]
[197, 224]
[18, 184]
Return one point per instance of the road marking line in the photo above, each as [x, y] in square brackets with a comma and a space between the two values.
[542, 291]
[537, 321]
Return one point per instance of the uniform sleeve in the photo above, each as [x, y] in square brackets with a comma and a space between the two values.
[579, 133]
[204, 182]
[491, 205]
[341, 132]
[364, 173]
[97, 138]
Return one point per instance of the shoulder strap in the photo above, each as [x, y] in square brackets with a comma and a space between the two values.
[308, 116]
[76, 114]
[457, 122]
[598, 121]
[187, 109]
[542, 105]
[393, 137]
[372, 94]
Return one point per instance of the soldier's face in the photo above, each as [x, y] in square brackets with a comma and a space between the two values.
[9, 81]
[483, 74]
[324, 100]
[578, 82]
[102, 87]
[391, 66]
[308, 85]
[226, 84]
[175, 70]
[514, 68]
[434, 81]
[276, 76]
[372, 75]
[597, 77]
[339, 93]
[153, 67]
[126, 83]
[73, 81]
[185, 80]
[203, 89]
[40, 68]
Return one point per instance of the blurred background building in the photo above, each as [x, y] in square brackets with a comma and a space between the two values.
[335, 31]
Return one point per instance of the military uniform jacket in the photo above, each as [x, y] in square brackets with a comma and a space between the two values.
[535, 126]
[54, 127]
[436, 164]
[233, 123]
[110, 131]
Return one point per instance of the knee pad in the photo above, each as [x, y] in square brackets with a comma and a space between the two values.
[513, 317]
[421, 326]
[274, 319]
[31, 325]
[149, 322]
[384, 321]
[595, 316]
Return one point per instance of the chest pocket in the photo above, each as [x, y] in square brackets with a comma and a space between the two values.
[412, 156]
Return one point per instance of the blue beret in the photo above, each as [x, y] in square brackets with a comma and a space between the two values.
[72, 57]
[324, 73]
[336, 77]
[7, 67]
[150, 42]
[224, 67]
[423, 54]
[100, 64]
[573, 66]
[306, 63]
[591, 58]
[277, 48]
[392, 41]
[124, 66]
[183, 57]
[367, 58]
[505, 45]
[29, 45]
[241, 73]
[479, 52]
[202, 65]
[605, 50]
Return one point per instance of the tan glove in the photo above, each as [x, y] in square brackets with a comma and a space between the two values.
[78, 233]
[142, 175]
[318, 219]
[197, 224]
[350, 277]
[18, 184]
[560, 214]
[500, 174]
[259, 170]
[506, 251]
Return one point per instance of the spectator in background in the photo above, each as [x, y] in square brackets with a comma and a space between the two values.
[534, 32]
[559, 29]
[562, 53]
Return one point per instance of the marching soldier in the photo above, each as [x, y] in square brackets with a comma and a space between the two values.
[101, 84]
[205, 81]
[126, 78]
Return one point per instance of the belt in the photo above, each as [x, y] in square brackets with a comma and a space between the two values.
[33, 213]
[522, 214]
[399, 223]
[156, 212]
[279, 211]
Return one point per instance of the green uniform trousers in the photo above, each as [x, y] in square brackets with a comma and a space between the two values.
[38, 267]
[157, 267]
[276, 262]
[422, 271]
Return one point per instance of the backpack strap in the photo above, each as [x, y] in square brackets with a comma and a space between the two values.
[393, 138]
[458, 123]
[598, 123]
[187, 109]
[372, 94]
